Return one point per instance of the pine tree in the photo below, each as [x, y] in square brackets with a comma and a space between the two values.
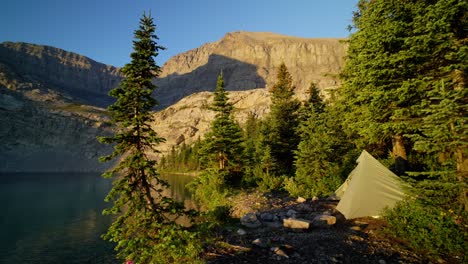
[279, 130]
[380, 60]
[144, 230]
[404, 84]
[443, 134]
[320, 157]
[223, 144]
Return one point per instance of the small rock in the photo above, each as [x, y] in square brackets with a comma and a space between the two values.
[278, 251]
[356, 238]
[296, 223]
[250, 220]
[324, 220]
[291, 213]
[315, 198]
[267, 217]
[260, 243]
[327, 213]
[301, 199]
[381, 261]
[241, 232]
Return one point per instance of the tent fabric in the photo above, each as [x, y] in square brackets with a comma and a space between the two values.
[369, 188]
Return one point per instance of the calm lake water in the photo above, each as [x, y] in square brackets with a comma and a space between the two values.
[57, 217]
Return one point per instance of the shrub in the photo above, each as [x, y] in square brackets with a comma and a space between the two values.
[428, 229]
[209, 189]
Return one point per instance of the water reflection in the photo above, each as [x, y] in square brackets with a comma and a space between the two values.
[54, 218]
[57, 217]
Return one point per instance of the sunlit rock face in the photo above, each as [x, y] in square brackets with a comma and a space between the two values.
[249, 60]
[51, 100]
[190, 118]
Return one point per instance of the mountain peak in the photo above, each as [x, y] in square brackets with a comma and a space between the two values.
[47, 69]
[249, 60]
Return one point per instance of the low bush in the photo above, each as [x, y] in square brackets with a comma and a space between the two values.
[427, 229]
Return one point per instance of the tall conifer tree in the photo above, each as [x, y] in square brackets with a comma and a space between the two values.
[223, 145]
[144, 230]
[280, 127]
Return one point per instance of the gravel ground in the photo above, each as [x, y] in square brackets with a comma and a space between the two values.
[347, 241]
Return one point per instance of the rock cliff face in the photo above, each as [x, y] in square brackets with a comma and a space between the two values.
[190, 118]
[43, 72]
[45, 126]
[250, 60]
[39, 138]
[49, 98]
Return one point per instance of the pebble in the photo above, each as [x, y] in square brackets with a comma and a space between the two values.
[241, 232]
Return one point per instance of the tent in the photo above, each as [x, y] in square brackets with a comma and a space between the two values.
[369, 188]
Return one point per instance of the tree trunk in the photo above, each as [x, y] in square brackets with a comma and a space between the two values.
[399, 153]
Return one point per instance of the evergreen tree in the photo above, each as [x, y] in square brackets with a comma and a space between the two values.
[144, 230]
[313, 104]
[279, 130]
[252, 149]
[379, 61]
[443, 135]
[405, 83]
[223, 147]
[322, 152]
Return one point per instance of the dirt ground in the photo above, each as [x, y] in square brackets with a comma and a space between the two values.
[347, 241]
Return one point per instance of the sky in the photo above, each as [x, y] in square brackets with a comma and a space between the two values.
[103, 29]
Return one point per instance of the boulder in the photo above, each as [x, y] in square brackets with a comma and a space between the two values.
[324, 220]
[291, 213]
[250, 220]
[267, 217]
[296, 223]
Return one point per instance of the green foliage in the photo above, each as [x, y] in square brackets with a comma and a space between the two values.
[428, 229]
[406, 75]
[209, 189]
[279, 128]
[183, 159]
[376, 105]
[252, 151]
[321, 151]
[223, 145]
[144, 230]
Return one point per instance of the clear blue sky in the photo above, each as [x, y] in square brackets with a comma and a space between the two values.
[103, 29]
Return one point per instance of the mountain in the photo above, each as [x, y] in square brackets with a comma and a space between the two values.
[51, 99]
[44, 73]
[190, 118]
[48, 112]
[249, 60]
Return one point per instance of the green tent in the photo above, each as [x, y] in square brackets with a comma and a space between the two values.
[369, 188]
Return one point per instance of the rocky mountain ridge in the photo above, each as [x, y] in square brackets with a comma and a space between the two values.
[249, 60]
[190, 118]
[44, 73]
[48, 96]
[46, 122]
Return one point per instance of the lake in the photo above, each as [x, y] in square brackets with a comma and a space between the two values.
[57, 217]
